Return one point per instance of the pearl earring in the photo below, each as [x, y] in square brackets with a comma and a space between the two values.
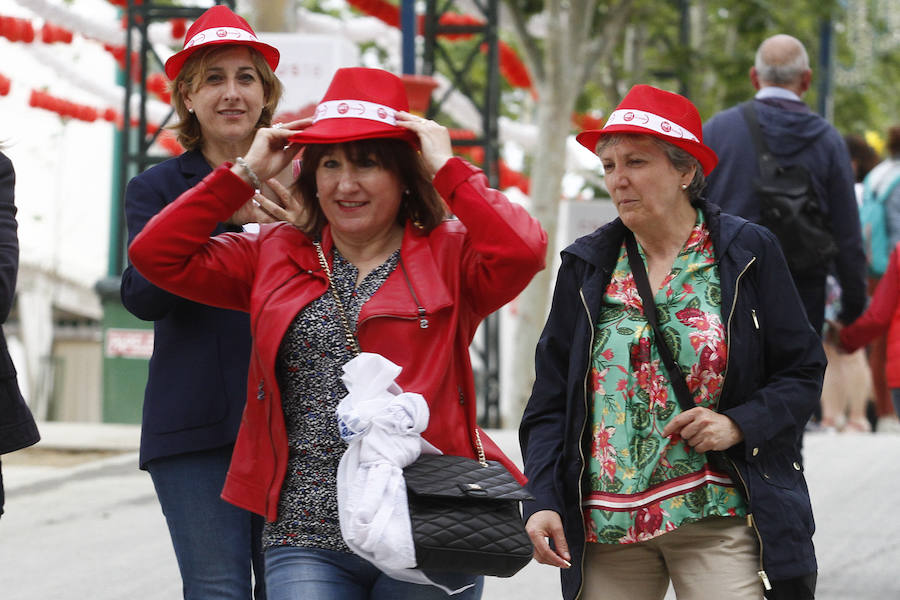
[683, 186]
[191, 110]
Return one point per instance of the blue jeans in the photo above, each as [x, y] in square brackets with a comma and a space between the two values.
[303, 573]
[216, 544]
[895, 398]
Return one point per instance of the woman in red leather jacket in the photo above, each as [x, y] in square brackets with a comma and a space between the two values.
[414, 284]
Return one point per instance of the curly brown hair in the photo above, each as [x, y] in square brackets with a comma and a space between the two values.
[187, 129]
[421, 205]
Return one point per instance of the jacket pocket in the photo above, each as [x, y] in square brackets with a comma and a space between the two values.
[782, 470]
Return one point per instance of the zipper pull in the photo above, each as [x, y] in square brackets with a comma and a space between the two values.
[765, 579]
[423, 321]
[753, 314]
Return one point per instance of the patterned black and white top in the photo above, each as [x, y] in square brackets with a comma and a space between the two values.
[308, 368]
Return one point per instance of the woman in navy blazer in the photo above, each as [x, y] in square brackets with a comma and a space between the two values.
[17, 427]
[223, 90]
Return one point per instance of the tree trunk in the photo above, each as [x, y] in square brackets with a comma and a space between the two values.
[274, 15]
[557, 92]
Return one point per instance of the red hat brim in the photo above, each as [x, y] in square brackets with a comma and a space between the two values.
[177, 60]
[338, 131]
[647, 110]
[702, 152]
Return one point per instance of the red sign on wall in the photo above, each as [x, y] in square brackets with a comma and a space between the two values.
[129, 343]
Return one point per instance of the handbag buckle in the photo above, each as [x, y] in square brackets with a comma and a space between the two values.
[472, 489]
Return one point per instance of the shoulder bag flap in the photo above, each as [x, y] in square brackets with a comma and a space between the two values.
[440, 475]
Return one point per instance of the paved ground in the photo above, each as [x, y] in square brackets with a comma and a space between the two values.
[82, 521]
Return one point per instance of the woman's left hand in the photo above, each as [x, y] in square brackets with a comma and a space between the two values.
[704, 429]
[434, 137]
[261, 209]
[288, 207]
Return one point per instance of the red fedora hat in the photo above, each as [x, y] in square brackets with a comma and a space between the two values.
[652, 111]
[219, 25]
[360, 103]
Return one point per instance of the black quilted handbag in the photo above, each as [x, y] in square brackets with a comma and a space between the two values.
[465, 516]
[465, 513]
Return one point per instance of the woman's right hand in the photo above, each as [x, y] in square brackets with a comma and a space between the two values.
[270, 151]
[833, 334]
[437, 147]
[543, 526]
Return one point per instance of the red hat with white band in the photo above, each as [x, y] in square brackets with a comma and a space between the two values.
[651, 111]
[360, 103]
[216, 26]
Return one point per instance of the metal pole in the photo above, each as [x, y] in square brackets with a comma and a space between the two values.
[825, 104]
[408, 28]
[684, 39]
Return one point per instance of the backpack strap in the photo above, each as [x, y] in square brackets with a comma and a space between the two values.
[767, 164]
[889, 188]
[748, 111]
[764, 155]
[869, 194]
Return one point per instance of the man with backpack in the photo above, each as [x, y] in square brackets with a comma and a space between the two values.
[800, 184]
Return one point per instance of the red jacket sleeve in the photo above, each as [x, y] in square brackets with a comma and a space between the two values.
[878, 316]
[505, 243]
[175, 252]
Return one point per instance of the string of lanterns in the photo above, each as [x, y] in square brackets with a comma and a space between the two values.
[22, 30]
[511, 66]
[83, 112]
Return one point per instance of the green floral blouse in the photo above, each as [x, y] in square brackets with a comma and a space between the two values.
[641, 485]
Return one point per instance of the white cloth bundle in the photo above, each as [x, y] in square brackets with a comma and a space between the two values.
[381, 425]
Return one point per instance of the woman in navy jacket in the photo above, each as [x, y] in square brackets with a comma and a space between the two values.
[770, 384]
[224, 89]
[17, 428]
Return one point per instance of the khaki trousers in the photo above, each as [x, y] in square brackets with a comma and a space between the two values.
[713, 559]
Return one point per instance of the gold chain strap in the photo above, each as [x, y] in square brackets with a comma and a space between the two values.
[481, 459]
[351, 339]
[352, 343]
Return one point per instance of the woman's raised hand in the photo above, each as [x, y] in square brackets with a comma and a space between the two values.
[434, 137]
[270, 151]
[287, 208]
[269, 154]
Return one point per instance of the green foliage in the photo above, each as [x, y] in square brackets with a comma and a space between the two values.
[714, 294]
[640, 419]
[705, 49]
[644, 450]
[611, 534]
[528, 8]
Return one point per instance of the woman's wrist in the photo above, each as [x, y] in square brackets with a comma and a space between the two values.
[243, 170]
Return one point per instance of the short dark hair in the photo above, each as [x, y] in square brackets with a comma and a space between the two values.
[863, 155]
[187, 129]
[893, 143]
[681, 160]
[421, 205]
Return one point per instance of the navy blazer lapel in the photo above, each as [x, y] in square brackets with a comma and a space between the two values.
[194, 168]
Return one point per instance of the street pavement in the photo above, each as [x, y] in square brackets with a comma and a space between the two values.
[93, 530]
